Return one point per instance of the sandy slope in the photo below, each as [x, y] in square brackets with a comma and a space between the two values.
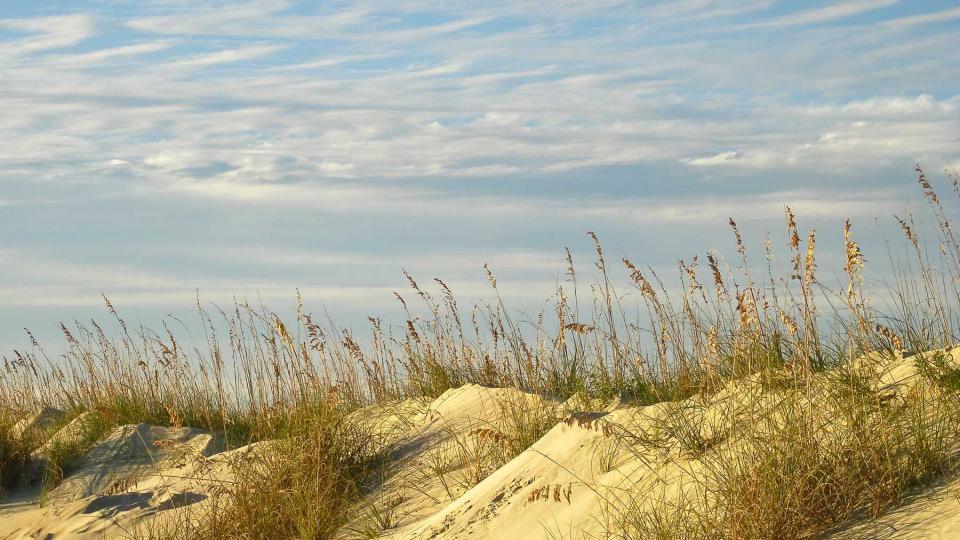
[931, 514]
[451, 476]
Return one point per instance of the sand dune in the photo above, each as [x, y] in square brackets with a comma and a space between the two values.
[448, 478]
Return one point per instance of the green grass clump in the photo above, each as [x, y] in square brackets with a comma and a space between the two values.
[14, 452]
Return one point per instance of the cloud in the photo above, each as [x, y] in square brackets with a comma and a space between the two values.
[722, 157]
[394, 202]
[59, 282]
[219, 19]
[687, 9]
[457, 262]
[226, 56]
[333, 168]
[331, 62]
[45, 33]
[833, 12]
[883, 107]
[247, 19]
[106, 56]
[924, 103]
[715, 210]
[440, 29]
[509, 97]
[926, 18]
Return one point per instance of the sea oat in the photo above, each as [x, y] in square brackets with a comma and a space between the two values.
[640, 281]
[579, 328]
[810, 262]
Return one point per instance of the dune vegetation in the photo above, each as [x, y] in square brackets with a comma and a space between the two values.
[753, 397]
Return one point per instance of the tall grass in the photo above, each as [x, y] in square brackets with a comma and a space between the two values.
[302, 484]
[257, 377]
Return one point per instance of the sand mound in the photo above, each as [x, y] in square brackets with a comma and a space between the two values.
[442, 450]
[136, 473]
[131, 454]
[560, 487]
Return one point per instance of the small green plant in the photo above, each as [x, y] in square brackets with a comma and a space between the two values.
[377, 516]
[939, 367]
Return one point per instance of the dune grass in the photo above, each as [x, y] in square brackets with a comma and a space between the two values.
[798, 459]
[830, 443]
[14, 451]
[303, 484]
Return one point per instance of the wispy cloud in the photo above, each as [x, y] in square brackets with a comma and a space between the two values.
[226, 56]
[926, 18]
[53, 281]
[45, 33]
[331, 61]
[109, 55]
[833, 12]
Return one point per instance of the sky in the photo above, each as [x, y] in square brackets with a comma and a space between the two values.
[153, 149]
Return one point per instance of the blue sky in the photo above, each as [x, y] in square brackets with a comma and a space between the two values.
[151, 149]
